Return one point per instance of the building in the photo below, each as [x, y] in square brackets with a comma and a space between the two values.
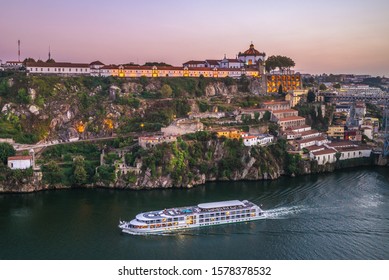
[353, 152]
[229, 133]
[150, 141]
[254, 140]
[276, 105]
[231, 63]
[289, 122]
[58, 68]
[281, 114]
[336, 132]
[13, 64]
[20, 162]
[304, 143]
[296, 96]
[252, 112]
[323, 156]
[287, 82]
[195, 63]
[252, 57]
[183, 126]
[212, 63]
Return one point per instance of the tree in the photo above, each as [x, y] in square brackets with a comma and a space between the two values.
[166, 91]
[266, 116]
[23, 96]
[337, 85]
[6, 150]
[53, 173]
[322, 87]
[311, 97]
[280, 62]
[50, 60]
[79, 172]
[280, 91]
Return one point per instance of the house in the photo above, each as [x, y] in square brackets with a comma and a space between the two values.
[276, 105]
[281, 114]
[20, 162]
[58, 68]
[194, 63]
[304, 143]
[212, 63]
[323, 156]
[229, 133]
[336, 132]
[151, 141]
[231, 63]
[288, 122]
[254, 140]
[354, 152]
[296, 96]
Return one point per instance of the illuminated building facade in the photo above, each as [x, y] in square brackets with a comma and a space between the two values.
[287, 81]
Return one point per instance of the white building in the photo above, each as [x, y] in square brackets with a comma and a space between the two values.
[251, 57]
[194, 63]
[231, 63]
[58, 68]
[20, 162]
[254, 140]
[323, 156]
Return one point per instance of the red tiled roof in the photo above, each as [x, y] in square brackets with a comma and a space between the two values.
[57, 64]
[284, 111]
[20, 158]
[97, 62]
[292, 118]
[324, 152]
[318, 138]
[252, 51]
[195, 62]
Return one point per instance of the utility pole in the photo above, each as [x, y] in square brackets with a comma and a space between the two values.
[385, 122]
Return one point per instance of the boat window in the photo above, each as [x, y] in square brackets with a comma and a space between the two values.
[212, 215]
[175, 219]
[201, 220]
[201, 216]
[206, 220]
[169, 219]
[181, 218]
[217, 214]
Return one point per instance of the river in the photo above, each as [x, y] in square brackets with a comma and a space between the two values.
[341, 215]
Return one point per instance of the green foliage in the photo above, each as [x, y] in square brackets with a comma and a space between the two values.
[23, 96]
[280, 62]
[203, 106]
[156, 64]
[79, 173]
[52, 173]
[243, 83]
[166, 91]
[106, 174]
[6, 150]
[322, 87]
[292, 164]
[311, 97]
[266, 116]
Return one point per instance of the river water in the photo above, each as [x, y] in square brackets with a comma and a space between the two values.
[342, 215]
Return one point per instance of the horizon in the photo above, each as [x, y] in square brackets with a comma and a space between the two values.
[321, 37]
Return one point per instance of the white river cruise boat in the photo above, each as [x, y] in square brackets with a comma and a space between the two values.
[204, 214]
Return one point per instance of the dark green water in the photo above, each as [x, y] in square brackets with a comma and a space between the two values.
[343, 215]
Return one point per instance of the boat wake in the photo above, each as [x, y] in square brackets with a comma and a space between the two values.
[283, 212]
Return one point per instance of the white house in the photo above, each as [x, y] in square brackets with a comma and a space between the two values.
[231, 63]
[354, 152]
[58, 68]
[261, 140]
[323, 156]
[20, 162]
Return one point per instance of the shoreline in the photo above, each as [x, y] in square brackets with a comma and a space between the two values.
[43, 188]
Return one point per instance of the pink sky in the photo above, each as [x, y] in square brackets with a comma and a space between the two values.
[320, 36]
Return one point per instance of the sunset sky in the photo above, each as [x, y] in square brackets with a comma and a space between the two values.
[329, 36]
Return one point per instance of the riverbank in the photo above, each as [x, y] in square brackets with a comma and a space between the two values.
[307, 168]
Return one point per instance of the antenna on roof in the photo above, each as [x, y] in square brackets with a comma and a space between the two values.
[19, 50]
[49, 53]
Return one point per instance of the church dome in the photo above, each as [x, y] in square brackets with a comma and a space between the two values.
[252, 51]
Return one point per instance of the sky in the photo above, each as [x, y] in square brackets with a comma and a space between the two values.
[323, 36]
